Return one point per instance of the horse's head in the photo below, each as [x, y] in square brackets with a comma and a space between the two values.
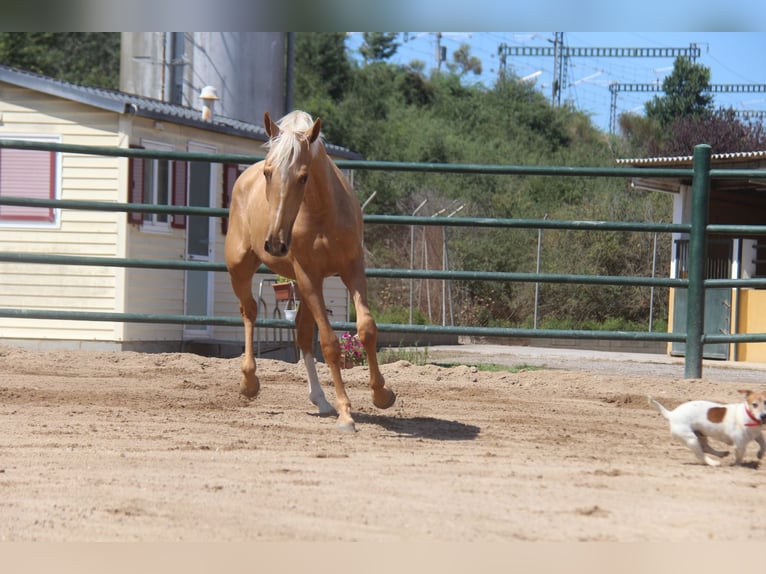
[286, 171]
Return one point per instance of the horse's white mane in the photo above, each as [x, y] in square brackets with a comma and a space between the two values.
[285, 148]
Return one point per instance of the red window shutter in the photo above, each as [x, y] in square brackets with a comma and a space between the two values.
[230, 175]
[27, 173]
[179, 192]
[136, 187]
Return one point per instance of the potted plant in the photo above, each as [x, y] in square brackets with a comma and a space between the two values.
[284, 289]
[352, 351]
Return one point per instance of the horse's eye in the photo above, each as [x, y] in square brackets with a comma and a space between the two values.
[267, 174]
[303, 179]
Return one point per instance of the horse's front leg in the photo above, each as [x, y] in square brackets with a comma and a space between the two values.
[367, 330]
[250, 385]
[241, 270]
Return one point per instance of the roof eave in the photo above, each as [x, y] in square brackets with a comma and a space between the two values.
[52, 88]
[128, 104]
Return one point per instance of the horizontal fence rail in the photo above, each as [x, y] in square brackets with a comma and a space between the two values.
[700, 173]
[340, 325]
[453, 168]
[392, 273]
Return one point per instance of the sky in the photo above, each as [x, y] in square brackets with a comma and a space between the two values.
[733, 58]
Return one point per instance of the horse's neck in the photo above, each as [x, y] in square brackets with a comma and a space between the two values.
[322, 176]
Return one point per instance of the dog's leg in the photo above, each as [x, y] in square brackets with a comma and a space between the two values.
[739, 454]
[690, 439]
[709, 449]
[761, 446]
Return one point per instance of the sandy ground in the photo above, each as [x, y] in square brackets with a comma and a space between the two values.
[161, 447]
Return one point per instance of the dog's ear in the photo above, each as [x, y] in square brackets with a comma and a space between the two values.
[745, 391]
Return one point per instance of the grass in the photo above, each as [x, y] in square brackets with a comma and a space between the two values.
[415, 355]
[493, 367]
[419, 356]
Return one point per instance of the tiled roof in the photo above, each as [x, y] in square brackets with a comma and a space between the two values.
[687, 159]
[124, 103]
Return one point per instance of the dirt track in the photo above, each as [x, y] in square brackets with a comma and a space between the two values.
[128, 446]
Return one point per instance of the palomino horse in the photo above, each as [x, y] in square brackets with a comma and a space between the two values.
[296, 213]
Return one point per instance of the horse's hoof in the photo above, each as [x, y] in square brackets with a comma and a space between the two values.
[325, 409]
[328, 411]
[383, 398]
[250, 391]
[347, 427]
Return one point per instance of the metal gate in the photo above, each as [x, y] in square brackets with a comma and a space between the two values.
[717, 300]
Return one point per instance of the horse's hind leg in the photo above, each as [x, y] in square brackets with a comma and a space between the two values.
[313, 301]
[304, 325]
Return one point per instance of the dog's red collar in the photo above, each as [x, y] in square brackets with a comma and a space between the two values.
[756, 422]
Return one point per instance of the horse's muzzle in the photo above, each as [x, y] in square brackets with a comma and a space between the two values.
[276, 248]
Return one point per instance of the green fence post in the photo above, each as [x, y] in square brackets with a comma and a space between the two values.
[695, 313]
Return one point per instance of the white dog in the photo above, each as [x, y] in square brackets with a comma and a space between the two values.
[737, 424]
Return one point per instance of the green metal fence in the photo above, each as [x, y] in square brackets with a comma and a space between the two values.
[698, 230]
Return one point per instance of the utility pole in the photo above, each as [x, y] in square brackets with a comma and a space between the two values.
[559, 68]
[441, 52]
[412, 252]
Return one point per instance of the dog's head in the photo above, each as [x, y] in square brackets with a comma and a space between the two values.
[756, 402]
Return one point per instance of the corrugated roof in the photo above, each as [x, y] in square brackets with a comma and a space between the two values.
[687, 159]
[124, 103]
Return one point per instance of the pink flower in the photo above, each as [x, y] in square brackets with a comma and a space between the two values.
[352, 349]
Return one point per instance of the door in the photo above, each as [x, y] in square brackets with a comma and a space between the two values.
[717, 301]
[199, 242]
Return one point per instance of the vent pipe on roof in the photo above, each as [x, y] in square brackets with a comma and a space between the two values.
[208, 97]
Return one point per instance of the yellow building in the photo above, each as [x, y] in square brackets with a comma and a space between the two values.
[732, 202]
[34, 107]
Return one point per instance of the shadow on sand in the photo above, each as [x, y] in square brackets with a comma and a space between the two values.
[421, 427]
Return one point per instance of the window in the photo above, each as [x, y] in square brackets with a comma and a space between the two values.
[29, 174]
[156, 190]
[157, 182]
[759, 257]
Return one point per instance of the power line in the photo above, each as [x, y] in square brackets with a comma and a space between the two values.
[561, 54]
[617, 87]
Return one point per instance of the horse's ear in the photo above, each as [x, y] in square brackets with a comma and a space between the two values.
[315, 129]
[271, 128]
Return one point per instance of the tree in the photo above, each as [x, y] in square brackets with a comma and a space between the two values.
[464, 62]
[321, 65]
[722, 130]
[687, 94]
[378, 46]
[323, 73]
[91, 59]
[641, 135]
[396, 113]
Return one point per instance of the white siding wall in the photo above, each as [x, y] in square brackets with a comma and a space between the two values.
[112, 289]
[85, 288]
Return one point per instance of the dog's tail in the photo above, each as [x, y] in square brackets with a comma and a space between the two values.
[663, 411]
